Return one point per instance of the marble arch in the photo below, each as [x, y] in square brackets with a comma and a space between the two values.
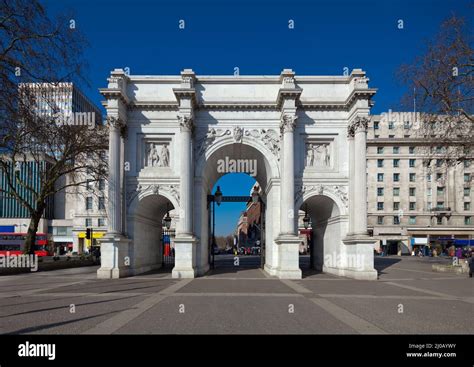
[307, 134]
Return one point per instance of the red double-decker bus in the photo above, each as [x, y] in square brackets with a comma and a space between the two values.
[14, 244]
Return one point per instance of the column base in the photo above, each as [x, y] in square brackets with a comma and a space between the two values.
[115, 257]
[357, 259]
[289, 262]
[185, 257]
[200, 271]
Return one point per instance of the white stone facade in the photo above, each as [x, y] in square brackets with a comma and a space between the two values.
[189, 122]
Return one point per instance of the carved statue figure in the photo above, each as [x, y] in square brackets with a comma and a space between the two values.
[310, 155]
[164, 157]
[153, 157]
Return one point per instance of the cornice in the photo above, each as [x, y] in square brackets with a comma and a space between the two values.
[110, 93]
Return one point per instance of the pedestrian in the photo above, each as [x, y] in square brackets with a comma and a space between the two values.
[471, 265]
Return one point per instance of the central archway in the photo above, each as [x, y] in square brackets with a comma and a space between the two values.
[230, 156]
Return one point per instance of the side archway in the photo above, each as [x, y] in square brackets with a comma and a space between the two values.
[145, 229]
[329, 223]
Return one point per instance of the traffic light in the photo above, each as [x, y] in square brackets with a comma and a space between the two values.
[88, 233]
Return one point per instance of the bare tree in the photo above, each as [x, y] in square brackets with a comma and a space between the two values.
[441, 82]
[37, 56]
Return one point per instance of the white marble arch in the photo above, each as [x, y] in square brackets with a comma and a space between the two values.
[268, 176]
[267, 118]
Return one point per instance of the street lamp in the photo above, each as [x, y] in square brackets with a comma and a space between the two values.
[255, 195]
[218, 195]
[167, 219]
[306, 218]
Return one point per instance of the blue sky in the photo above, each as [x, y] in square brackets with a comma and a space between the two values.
[254, 36]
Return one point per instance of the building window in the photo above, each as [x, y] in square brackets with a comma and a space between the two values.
[440, 191]
[380, 205]
[396, 150]
[429, 191]
[88, 203]
[101, 203]
[89, 184]
[439, 220]
[391, 136]
[376, 136]
[406, 125]
[439, 176]
[467, 191]
[412, 177]
[467, 177]
[379, 191]
[411, 150]
[88, 222]
[101, 184]
[439, 150]
[467, 163]
[376, 125]
[101, 222]
[439, 162]
[412, 191]
[379, 163]
[412, 205]
[379, 150]
[396, 219]
[380, 177]
[380, 219]
[467, 206]
[396, 163]
[412, 219]
[468, 221]
[391, 125]
[430, 206]
[428, 177]
[396, 205]
[440, 204]
[406, 136]
[396, 191]
[396, 177]
[412, 163]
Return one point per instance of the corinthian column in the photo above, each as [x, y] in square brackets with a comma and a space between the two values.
[359, 130]
[114, 196]
[186, 187]
[287, 213]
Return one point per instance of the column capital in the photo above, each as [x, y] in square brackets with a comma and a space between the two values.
[359, 124]
[186, 123]
[117, 124]
[287, 122]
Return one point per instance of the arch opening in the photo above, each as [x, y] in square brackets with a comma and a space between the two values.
[152, 242]
[230, 158]
[323, 237]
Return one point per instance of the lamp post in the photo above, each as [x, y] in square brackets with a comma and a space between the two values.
[257, 199]
[218, 196]
[218, 200]
[306, 224]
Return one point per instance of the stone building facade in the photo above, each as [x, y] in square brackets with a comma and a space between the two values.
[411, 204]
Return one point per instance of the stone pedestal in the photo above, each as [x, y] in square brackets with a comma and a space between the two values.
[288, 248]
[356, 259]
[185, 257]
[115, 257]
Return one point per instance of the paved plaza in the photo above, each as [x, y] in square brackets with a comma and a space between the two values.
[407, 298]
